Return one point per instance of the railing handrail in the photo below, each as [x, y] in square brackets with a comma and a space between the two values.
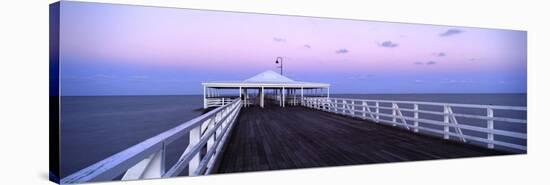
[350, 107]
[519, 108]
[118, 163]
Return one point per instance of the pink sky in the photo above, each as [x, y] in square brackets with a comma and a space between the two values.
[131, 39]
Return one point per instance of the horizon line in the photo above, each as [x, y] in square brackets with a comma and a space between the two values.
[330, 94]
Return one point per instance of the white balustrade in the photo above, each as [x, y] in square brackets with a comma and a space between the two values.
[450, 128]
[147, 159]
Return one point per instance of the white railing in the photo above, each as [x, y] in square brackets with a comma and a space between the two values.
[407, 115]
[147, 159]
[218, 102]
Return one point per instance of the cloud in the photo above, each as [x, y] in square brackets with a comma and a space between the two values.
[388, 44]
[307, 46]
[440, 54]
[278, 39]
[425, 63]
[342, 51]
[450, 32]
[361, 77]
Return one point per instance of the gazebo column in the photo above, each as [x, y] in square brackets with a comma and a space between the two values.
[328, 92]
[240, 93]
[262, 97]
[283, 95]
[280, 97]
[204, 97]
[246, 101]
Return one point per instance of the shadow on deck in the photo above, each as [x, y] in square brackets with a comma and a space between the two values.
[297, 137]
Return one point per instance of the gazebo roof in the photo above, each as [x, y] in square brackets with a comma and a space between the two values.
[266, 79]
[269, 77]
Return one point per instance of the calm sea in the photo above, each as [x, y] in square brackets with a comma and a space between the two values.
[96, 127]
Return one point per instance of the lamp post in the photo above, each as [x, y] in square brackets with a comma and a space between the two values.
[281, 61]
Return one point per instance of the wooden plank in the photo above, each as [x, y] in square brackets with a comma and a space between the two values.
[297, 137]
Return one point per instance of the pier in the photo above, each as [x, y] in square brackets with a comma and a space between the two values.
[297, 137]
[278, 123]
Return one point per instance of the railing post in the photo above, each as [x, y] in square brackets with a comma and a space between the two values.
[352, 108]
[330, 105]
[490, 126]
[394, 114]
[364, 109]
[212, 124]
[194, 138]
[377, 112]
[334, 105]
[150, 167]
[337, 106]
[344, 106]
[446, 122]
[415, 117]
[156, 167]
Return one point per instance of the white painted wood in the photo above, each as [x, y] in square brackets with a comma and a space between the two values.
[446, 121]
[155, 169]
[204, 97]
[136, 172]
[416, 117]
[517, 108]
[146, 159]
[194, 139]
[212, 156]
[377, 111]
[246, 104]
[364, 107]
[458, 130]
[344, 106]
[394, 114]
[490, 125]
[283, 95]
[400, 115]
[262, 97]
[352, 106]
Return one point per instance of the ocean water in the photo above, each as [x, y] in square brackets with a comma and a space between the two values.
[485, 99]
[96, 127]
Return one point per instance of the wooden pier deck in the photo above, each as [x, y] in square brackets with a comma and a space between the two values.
[297, 137]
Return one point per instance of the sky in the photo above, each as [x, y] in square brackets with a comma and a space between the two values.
[108, 49]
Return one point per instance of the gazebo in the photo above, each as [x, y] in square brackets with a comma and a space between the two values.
[266, 85]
